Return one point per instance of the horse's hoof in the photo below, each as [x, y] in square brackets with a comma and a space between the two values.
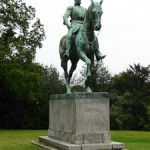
[88, 90]
[89, 74]
[68, 91]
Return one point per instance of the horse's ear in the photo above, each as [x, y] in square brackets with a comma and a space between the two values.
[92, 2]
[101, 2]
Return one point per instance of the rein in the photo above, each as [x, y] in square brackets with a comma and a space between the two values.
[91, 32]
[90, 43]
[93, 22]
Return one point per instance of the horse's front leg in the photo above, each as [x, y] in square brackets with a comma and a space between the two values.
[87, 84]
[84, 58]
[64, 66]
[89, 78]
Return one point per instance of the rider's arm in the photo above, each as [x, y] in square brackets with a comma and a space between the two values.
[66, 15]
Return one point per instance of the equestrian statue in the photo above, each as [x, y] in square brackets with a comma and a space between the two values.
[81, 41]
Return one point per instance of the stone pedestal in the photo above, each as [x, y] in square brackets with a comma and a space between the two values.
[80, 121]
[80, 118]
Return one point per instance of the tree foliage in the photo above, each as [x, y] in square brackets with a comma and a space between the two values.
[20, 32]
[129, 109]
[24, 96]
[100, 77]
[54, 83]
[24, 85]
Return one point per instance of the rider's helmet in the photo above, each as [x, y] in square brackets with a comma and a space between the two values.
[77, 2]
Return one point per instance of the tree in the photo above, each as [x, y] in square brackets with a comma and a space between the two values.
[76, 84]
[130, 108]
[21, 80]
[100, 77]
[20, 35]
[24, 95]
[53, 83]
[135, 79]
[20, 32]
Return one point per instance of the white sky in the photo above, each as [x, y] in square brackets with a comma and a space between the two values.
[124, 37]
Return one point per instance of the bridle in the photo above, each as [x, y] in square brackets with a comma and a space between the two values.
[95, 21]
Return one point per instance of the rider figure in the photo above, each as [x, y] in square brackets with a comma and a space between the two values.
[77, 15]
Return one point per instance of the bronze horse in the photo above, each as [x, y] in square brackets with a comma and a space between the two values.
[83, 46]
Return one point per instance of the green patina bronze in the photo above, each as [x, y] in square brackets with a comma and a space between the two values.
[79, 96]
[81, 42]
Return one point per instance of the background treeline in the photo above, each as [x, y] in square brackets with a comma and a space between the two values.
[25, 86]
[129, 93]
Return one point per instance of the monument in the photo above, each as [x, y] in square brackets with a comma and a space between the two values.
[79, 121]
[81, 41]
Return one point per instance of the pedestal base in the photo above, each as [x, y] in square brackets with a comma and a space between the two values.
[48, 143]
[80, 118]
[79, 121]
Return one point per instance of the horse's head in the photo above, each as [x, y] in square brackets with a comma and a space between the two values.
[95, 14]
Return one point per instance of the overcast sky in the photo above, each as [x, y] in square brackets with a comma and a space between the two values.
[124, 37]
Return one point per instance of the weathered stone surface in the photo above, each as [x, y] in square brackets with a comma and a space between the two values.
[66, 136]
[97, 146]
[80, 118]
[106, 138]
[79, 121]
[59, 144]
[54, 144]
[93, 138]
[61, 115]
[97, 138]
[92, 116]
[117, 145]
[44, 146]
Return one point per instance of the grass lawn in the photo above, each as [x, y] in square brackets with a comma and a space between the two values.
[134, 140]
[20, 139]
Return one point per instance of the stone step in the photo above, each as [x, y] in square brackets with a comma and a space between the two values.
[59, 144]
[49, 147]
[43, 146]
[53, 144]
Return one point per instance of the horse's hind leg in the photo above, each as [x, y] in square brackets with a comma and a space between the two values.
[64, 66]
[72, 69]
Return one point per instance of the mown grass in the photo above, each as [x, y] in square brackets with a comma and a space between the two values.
[21, 139]
[134, 140]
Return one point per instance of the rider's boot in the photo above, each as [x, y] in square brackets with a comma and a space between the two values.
[99, 56]
[67, 53]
